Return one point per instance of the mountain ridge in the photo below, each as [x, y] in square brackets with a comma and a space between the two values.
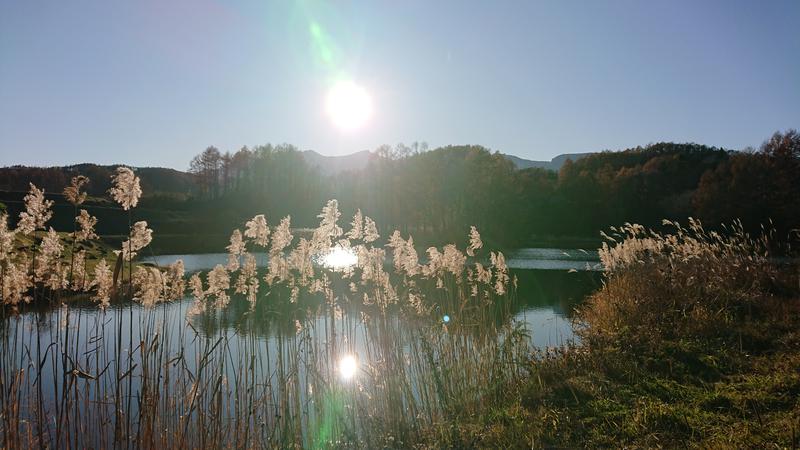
[332, 165]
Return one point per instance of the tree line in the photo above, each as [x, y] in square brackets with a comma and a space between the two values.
[442, 192]
[438, 194]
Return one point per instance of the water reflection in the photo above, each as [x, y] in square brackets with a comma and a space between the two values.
[294, 357]
[348, 366]
[555, 259]
[544, 303]
[339, 259]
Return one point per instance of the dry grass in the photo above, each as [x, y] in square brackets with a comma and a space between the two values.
[691, 342]
[111, 365]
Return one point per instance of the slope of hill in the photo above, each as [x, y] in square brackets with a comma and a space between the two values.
[331, 165]
[166, 180]
[154, 180]
[554, 164]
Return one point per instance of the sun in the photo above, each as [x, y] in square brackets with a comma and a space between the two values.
[348, 105]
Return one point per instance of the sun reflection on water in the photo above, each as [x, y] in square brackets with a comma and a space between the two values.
[339, 258]
[348, 366]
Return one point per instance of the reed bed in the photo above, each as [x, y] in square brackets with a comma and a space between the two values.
[325, 343]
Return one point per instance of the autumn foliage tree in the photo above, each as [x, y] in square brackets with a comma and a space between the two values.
[755, 186]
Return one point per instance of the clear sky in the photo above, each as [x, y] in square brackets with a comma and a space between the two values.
[154, 82]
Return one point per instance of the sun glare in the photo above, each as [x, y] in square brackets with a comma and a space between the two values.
[348, 105]
[339, 258]
[348, 366]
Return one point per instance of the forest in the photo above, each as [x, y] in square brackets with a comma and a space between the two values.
[438, 194]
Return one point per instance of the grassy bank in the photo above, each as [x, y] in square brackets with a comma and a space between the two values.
[693, 341]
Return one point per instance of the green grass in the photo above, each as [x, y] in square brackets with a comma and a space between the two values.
[718, 398]
[95, 249]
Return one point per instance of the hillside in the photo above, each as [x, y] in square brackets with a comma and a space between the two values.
[554, 164]
[331, 165]
[154, 180]
[438, 194]
[161, 180]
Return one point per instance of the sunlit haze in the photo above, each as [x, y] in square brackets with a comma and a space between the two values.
[153, 83]
[358, 224]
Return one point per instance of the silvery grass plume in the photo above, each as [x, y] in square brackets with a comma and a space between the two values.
[404, 255]
[80, 281]
[475, 242]
[126, 190]
[278, 265]
[356, 227]
[73, 192]
[435, 266]
[17, 282]
[235, 250]
[479, 276]
[86, 223]
[397, 244]
[257, 231]
[300, 261]
[140, 237]
[294, 266]
[453, 260]
[410, 258]
[37, 211]
[102, 283]
[176, 284]
[6, 239]
[218, 284]
[150, 287]
[328, 230]
[633, 245]
[48, 264]
[500, 271]
[247, 281]
[282, 237]
[370, 261]
[19, 276]
[370, 230]
[156, 286]
[199, 294]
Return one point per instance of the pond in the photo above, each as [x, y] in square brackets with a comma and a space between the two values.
[522, 258]
[313, 372]
[546, 295]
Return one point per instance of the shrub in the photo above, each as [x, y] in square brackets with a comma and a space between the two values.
[686, 283]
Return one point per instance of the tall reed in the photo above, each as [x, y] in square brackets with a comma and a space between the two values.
[330, 343]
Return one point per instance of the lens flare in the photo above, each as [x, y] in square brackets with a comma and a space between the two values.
[348, 366]
[348, 105]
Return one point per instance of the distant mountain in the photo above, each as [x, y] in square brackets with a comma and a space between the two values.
[331, 165]
[554, 164]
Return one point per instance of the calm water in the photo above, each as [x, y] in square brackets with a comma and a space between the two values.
[523, 258]
[546, 296]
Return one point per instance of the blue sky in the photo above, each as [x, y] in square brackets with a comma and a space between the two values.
[154, 82]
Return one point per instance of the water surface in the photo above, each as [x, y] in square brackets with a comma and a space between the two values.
[523, 258]
[286, 354]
